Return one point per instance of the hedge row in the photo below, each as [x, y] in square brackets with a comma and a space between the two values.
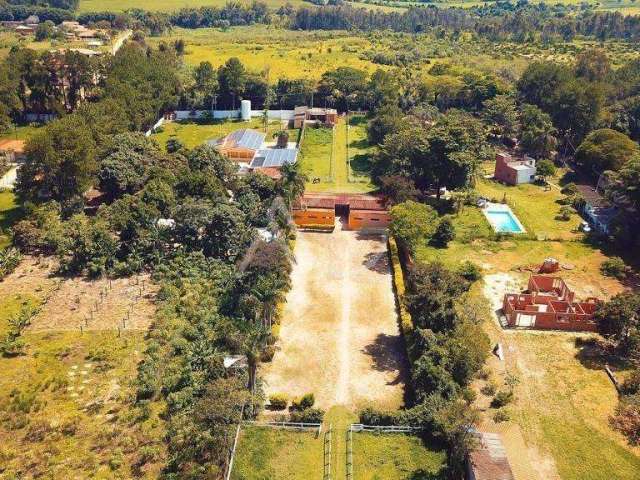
[406, 323]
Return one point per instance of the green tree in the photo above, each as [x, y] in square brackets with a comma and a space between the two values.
[445, 233]
[412, 223]
[545, 168]
[501, 111]
[232, 78]
[619, 320]
[606, 149]
[537, 135]
[292, 183]
[60, 161]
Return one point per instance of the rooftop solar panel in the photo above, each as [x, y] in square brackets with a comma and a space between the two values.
[274, 157]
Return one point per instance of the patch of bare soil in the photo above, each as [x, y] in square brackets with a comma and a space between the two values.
[74, 303]
[339, 336]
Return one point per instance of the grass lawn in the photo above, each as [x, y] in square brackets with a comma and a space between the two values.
[316, 156]
[563, 403]
[66, 410]
[10, 213]
[535, 207]
[11, 305]
[395, 457]
[266, 454]
[324, 155]
[23, 132]
[193, 134]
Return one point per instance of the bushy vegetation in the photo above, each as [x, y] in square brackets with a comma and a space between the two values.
[447, 347]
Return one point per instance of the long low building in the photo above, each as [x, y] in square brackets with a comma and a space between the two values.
[358, 212]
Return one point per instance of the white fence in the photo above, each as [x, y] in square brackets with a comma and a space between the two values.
[286, 425]
[159, 123]
[227, 114]
[358, 427]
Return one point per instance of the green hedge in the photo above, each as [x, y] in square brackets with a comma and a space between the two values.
[406, 323]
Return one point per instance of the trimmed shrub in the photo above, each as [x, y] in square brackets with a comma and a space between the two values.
[303, 403]
[308, 415]
[445, 233]
[501, 416]
[371, 416]
[565, 213]
[278, 401]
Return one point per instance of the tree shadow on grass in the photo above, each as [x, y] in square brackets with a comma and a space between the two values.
[422, 474]
[594, 354]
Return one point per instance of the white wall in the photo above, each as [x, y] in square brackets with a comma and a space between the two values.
[224, 114]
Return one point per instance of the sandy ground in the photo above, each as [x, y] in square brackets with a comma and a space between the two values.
[339, 336]
[93, 304]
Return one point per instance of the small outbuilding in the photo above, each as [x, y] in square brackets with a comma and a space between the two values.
[12, 151]
[513, 171]
[323, 116]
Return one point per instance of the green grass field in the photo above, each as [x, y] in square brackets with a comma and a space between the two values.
[324, 155]
[266, 454]
[395, 457]
[271, 51]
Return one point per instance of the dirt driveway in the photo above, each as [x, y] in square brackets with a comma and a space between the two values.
[339, 337]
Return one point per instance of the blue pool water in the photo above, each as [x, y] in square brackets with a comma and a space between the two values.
[503, 221]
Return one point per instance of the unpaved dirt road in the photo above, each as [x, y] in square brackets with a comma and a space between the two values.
[339, 336]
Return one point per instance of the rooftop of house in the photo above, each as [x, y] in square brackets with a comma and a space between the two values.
[16, 146]
[489, 460]
[243, 138]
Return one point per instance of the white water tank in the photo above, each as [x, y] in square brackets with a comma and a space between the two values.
[245, 110]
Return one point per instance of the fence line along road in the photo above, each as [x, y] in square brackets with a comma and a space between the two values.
[359, 427]
[292, 425]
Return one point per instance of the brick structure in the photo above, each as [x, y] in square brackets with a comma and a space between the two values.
[514, 172]
[324, 116]
[361, 212]
[488, 460]
[548, 303]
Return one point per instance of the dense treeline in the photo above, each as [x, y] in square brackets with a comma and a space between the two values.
[500, 21]
[526, 22]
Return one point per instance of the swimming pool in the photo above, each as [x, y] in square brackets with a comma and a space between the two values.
[502, 219]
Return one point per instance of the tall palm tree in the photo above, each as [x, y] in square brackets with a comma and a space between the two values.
[252, 346]
[292, 182]
[269, 292]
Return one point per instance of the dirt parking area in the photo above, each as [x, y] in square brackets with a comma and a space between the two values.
[339, 336]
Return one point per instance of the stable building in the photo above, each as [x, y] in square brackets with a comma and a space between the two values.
[357, 212]
[240, 145]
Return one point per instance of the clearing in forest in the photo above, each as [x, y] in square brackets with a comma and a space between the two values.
[339, 336]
